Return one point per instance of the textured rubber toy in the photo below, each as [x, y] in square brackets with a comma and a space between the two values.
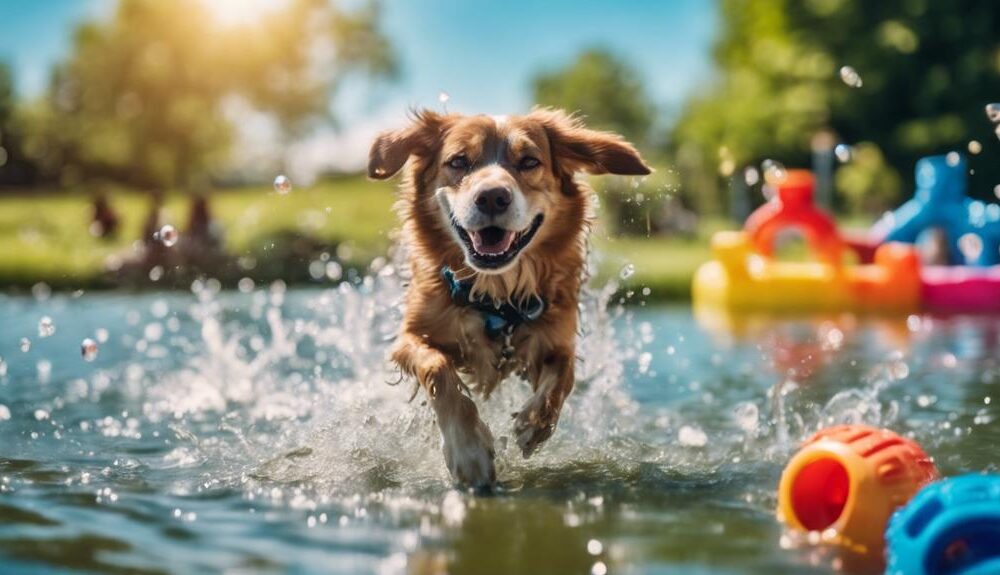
[950, 527]
[849, 479]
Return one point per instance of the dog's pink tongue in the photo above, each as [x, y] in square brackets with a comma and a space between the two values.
[498, 246]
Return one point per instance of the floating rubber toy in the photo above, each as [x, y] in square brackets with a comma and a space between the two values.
[847, 480]
[971, 227]
[744, 278]
[960, 289]
[950, 527]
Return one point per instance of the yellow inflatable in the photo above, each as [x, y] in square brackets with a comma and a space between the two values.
[743, 277]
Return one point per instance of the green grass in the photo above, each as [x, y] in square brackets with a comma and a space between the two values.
[43, 236]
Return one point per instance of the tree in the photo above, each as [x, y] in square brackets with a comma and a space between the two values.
[604, 88]
[14, 168]
[928, 69]
[140, 100]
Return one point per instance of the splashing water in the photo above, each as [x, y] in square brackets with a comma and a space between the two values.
[993, 113]
[267, 419]
[88, 349]
[627, 271]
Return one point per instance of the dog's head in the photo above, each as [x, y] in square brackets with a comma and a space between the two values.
[502, 183]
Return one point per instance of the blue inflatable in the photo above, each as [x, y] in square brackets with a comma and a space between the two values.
[950, 527]
[972, 228]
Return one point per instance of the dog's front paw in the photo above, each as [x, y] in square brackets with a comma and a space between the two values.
[535, 424]
[469, 454]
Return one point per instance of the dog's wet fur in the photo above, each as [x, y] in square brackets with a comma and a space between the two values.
[496, 200]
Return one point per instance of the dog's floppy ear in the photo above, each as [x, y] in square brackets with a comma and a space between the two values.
[577, 148]
[391, 150]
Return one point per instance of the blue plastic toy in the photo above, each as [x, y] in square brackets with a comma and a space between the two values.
[972, 227]
[949, 527]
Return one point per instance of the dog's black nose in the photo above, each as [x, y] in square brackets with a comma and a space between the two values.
[494, 201]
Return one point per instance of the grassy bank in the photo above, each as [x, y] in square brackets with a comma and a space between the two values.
[44, 237]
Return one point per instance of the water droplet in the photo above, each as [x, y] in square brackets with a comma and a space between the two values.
[443, 97]
[692, 436]
[599, 568]
[25, 345]
[88, 349]
[245, 285]
[167, 235]
[334, 271]
[41, 415]
[996, 191]
[282, 184]
[101, 334]
[843, 152]
[751, 176]
[851, 77]
[44, 369]
[971, 246]
[4, 412]
[627, 271]
[746, 416]
[595, 547]
[953, 158]
[3, 367]
[774, 171]
[975, 147]
[46, 327]
[993, 112]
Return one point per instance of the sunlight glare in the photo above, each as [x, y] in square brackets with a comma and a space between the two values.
[240, 12]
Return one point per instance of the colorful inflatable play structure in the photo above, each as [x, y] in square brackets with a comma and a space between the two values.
[889, 276]
[878, 494]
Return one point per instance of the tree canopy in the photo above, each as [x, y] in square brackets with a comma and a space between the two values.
[927, 70]
[140, 100]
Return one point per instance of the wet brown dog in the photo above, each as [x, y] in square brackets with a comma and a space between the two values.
[495, 227]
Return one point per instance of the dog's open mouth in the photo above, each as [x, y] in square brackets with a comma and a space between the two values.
[494, 247]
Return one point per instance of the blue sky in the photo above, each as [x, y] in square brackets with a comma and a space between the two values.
[483, 53]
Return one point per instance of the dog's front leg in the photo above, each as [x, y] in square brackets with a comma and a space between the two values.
[466, 441]
[552, 383]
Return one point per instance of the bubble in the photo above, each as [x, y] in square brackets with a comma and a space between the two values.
[443, 97]
[774, 171]
[692, 436]
[953, 158]
[843, 152]
[245, 285]
[41, 415]
[599, 568]
[627, 271]
[751, 176]
[25, 345]
[993, 112]
[334, 271]
[975, 147]
[46, 327]
[4, 412]
[595, 547]
[101, 334]
[156, 273]
[851, 77]
[167, 235]
[41, 291]
[971, 246]
[282, 184]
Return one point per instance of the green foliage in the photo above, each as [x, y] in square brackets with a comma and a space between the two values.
[867, 183]
[928, 68]
[141, 98]
[604, 88]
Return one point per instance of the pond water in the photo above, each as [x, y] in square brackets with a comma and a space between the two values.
[260, 432]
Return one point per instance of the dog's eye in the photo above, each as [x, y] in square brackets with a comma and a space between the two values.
[459, 163]
[528, 163]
